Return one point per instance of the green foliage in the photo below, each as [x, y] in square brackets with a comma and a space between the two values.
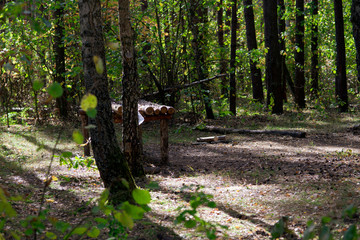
[105, 219]
[67, 158]
[190, 218]
[322, 231]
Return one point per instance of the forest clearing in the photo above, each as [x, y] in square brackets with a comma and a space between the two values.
[254, 179]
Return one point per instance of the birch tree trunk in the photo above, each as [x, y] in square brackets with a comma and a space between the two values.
[131, 138]
[109, 159]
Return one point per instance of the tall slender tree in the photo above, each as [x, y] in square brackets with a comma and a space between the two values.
[355, 19]
[108, 156]
[273, 60]
[340, 80]
[299, 55]
[198, 25]
[234, 21]
[257, 87]
[130, 95]
[59, 53]
[222, 48]
[314, 48]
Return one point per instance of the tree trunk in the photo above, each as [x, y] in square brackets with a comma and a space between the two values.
[198, 22]
[131, 139]
[59, 52]
[340, 81]
[257, 87]
[314, 49]
[223, 62]
[109, 159]
[232, 97]
[281, 31]
[299, 55]
[355, 19]
[273, 59]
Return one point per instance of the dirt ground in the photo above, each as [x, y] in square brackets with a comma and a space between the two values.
[255, 179]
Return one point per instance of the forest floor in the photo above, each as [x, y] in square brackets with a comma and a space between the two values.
[254, 179]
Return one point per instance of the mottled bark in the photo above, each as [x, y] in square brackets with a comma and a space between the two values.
[355, 19]
[59, 54]
[314, 49]
[198, 22]
[232, 97]
[273, 60]
[131, 140]
[340, 80]
[109, 159]
[299, 55]
[257, 87]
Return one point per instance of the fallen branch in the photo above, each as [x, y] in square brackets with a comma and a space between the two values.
[298, 134]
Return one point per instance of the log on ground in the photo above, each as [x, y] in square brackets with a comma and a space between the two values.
[297, 134]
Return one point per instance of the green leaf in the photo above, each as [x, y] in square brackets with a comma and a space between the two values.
[62, 226]
[141, 196]
[124, 219]
[51, 235]
[99, 65]
[55, 90]
[278, 229]
[212, 204]
[325, 220]
[190, 223]
[349, 211]
[309, 232]
[325, 233]
[67, 154]
[78, 137]
[89, 101]
[91, 112]
[94, 232]
[351, 233]
[134, 211]
[79, 230]
[37, 85]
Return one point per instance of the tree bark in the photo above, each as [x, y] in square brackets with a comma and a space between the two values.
[109, 159]
[314, 49]
[131, 139]
[355, 19]
[281, 31]
[273, 60]
[198, 22]
[59, 52]
[222, 54]
[234, 21]
[299, 55]
[340, 80]
[257, 87]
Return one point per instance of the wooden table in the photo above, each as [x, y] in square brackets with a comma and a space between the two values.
[150, 112]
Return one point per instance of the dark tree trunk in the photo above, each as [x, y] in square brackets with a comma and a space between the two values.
[314, 49]
[281, 31]
[355, 19]
[223, 62]
[198, 22]
[59, 52]
[299, 55]
[232, 97]
[257, 87]
[340, 81]
[131, 139]
[110, 160]
[273, 59]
